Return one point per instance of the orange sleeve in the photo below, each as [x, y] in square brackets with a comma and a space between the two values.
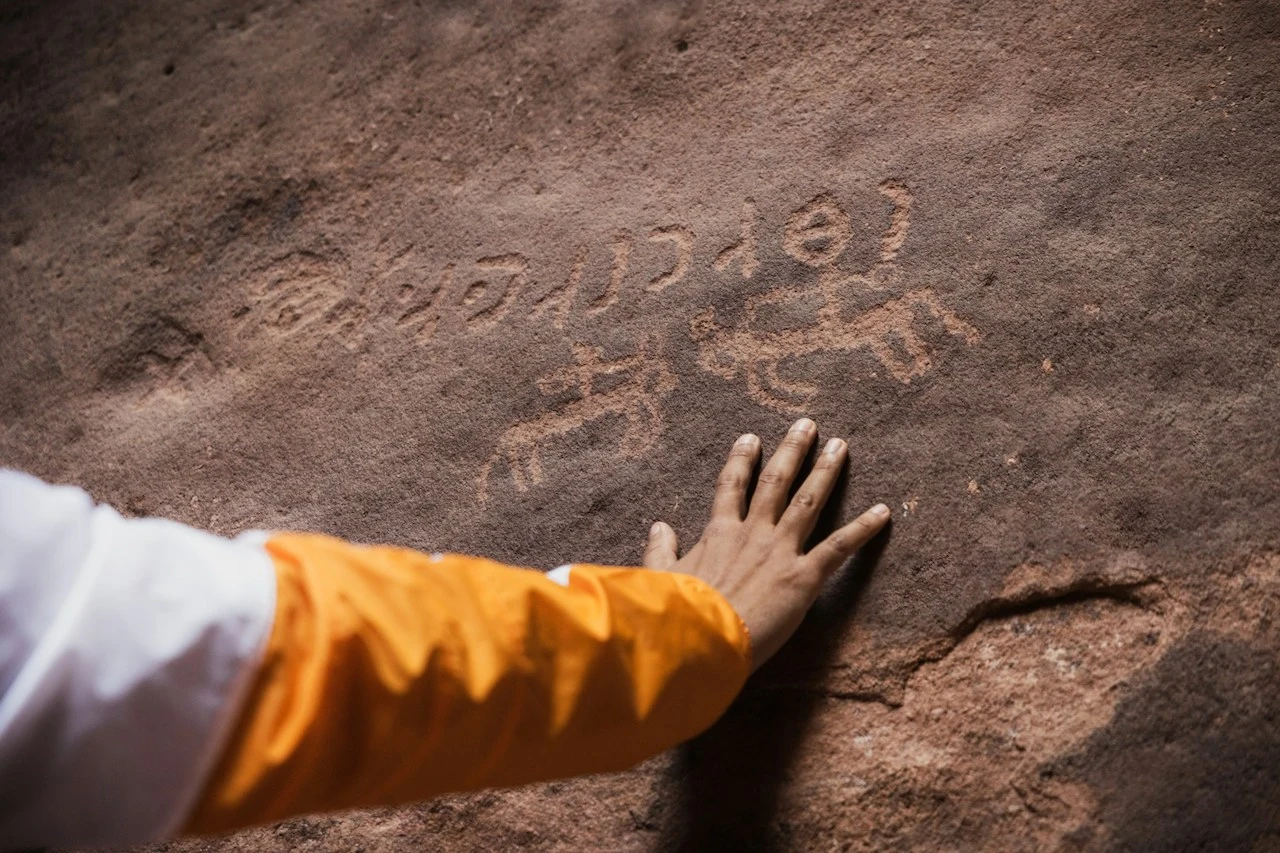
[392, 676]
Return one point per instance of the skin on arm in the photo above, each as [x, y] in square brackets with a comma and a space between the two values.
[754, 556]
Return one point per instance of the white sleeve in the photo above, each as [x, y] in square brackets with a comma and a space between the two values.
[126, 648]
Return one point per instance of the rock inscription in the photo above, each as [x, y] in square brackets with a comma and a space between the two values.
[646, 380]
[489, 293]
[816, 235]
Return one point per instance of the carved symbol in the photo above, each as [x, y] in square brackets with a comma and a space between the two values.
[300, 291]
[560, 298]
[683, 238]
[621, 256]
[896, 234]
[745, 248]
[517, 268]
[423, 313]
[816, 235]
[647, 380]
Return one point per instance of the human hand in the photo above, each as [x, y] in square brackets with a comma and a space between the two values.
[755, 556]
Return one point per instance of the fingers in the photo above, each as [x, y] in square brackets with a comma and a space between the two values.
[731, 487]
[802, 513]
[831, 553]
[776, 478]
[660, 551]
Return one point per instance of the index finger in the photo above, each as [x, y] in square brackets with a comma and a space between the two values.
[731, 486]
[831, 553]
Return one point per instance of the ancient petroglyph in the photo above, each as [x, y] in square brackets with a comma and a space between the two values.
[476, 297]
[683, 239]
[420, 312]
[621, 257]
[300, 291]
[896, 234]
[727, 352]
[515, 268]
[430, 299]
[646, 379]
[294, 292]
[743, 251]
[559, 299]
[817, 235]
[490, 288]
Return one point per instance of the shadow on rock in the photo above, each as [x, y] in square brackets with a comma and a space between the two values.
[1191, 760]
[726, 784]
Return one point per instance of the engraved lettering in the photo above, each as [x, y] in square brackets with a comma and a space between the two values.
[744, 250]
[621, 257]
[682, 237]
[301, 291]
[647, 379]
[516, 268]
[559, 299]
[421, 312]
[816, 235]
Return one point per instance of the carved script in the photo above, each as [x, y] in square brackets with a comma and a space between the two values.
[646, 380]
[302, 295]
[817, 235]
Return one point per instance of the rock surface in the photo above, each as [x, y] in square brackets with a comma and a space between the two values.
[509, 279]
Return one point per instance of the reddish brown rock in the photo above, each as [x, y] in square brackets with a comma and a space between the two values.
[509, 280]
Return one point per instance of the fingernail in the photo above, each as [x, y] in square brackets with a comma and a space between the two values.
[880, 510]
[748, 440]
[656, 530]
[834, 446]
[802, 425]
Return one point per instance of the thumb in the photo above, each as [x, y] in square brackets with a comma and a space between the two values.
[660, 553]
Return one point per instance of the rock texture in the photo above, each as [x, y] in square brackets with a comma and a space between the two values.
[509, 278]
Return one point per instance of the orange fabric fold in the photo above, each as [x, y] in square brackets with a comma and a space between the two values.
[392, 676]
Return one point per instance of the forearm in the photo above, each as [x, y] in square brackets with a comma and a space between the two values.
[393, 676]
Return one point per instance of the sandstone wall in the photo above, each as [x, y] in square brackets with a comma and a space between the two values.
[509, 278]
